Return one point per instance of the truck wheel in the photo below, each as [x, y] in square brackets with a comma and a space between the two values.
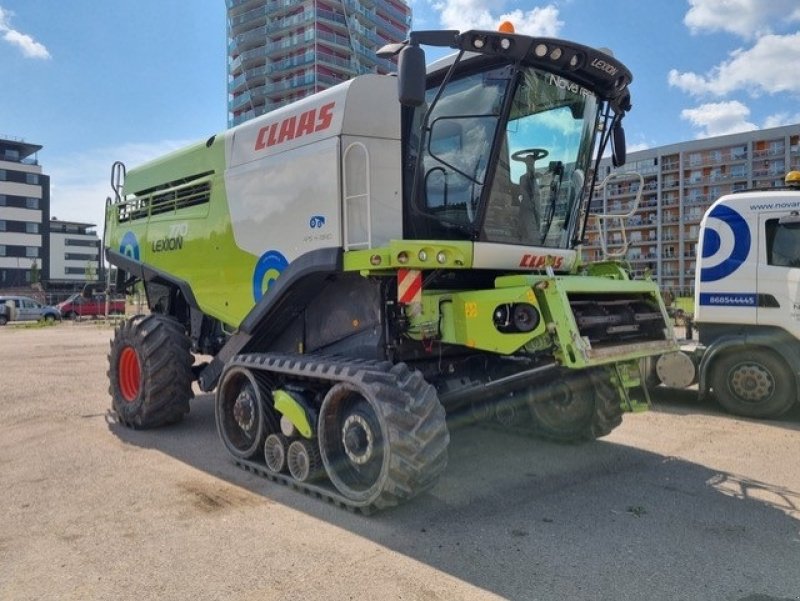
[577, 407]
[70, 315]
[3, 320]
[383, 445]
[150, 372]
[49, 318]
[244, 419]
[753, 383]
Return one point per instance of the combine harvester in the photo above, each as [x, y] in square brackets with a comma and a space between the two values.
[363, 259]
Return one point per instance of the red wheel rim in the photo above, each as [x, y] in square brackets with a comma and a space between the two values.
[130, 373]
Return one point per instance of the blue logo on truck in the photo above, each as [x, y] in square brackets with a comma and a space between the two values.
[129, 246]
[269, 267]
[713, 240]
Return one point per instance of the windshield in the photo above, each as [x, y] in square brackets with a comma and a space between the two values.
[543, 156]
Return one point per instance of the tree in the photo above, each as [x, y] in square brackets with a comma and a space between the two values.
[36, 273]
[91, 271]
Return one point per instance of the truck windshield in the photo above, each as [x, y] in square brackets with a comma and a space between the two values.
[531, 191]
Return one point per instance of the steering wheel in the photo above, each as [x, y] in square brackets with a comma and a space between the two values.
[529, 155]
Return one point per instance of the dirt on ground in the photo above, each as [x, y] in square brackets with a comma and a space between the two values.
[682, 502]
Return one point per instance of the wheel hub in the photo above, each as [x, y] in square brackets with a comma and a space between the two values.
[358, 439]
[752, 383]
[244, 411]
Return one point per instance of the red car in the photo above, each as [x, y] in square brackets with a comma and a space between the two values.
[78, 305]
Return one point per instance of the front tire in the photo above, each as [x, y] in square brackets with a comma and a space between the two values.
[753, 383]
[150, 372]
[577, 407]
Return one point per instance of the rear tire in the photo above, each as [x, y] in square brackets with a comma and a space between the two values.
[3, 320]
[150, 372]
[583, 406]
[753, 383]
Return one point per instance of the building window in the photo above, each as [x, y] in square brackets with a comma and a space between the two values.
[78, 242]
[3, 175]
[79, 257]
[3, 200]
[738, 171]
[31, 251]
[32, 178]
[2, 250]
[31, 228]
[31, 203]
[2, 225]
[75, 270]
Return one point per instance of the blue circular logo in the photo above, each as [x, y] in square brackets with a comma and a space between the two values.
[130, 246]
[269, 267]
[713, 240]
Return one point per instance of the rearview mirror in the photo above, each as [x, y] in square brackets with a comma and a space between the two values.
[411, 76]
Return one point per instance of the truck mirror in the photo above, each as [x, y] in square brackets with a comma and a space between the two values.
[411, 76]
[618, 152]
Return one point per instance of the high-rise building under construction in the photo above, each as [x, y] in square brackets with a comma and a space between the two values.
[282, 50]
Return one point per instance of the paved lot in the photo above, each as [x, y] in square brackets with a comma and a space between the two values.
[683, 502]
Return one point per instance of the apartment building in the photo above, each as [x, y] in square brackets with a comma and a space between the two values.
[74, 255]
[283, 50]
[680, 183]
[24, 214]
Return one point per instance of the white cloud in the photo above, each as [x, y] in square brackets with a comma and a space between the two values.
[719, 118]
[473, 14]
[779, 119]
[636, 146]
[766, 67]
[80, 182]
[749, 19]
[30, 47]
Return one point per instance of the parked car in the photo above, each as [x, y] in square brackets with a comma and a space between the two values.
[79, 305]
[23, 308]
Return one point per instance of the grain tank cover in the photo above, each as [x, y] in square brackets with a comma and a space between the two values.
[363, 106]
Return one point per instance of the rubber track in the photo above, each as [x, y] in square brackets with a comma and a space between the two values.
[397, 381]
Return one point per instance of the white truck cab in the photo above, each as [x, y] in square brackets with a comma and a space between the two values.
[747, 304]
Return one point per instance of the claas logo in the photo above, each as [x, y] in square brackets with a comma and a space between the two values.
[309, 122]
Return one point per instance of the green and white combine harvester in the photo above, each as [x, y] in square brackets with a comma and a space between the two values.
[360, 260]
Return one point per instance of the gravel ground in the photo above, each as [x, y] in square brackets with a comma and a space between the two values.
[683, 502]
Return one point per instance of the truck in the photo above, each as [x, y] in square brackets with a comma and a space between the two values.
[746, 305]
[367, 261]
[81, 305]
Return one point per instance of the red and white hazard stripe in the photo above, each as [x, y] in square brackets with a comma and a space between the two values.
[409, 286]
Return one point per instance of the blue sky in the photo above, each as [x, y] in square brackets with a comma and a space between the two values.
[95, 82]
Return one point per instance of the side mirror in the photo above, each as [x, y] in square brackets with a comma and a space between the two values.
[411, 76]
[618, 152]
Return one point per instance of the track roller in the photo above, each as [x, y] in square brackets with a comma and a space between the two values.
[303, 460]
[275, 447]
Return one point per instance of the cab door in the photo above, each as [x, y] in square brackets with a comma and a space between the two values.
[778, 276]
